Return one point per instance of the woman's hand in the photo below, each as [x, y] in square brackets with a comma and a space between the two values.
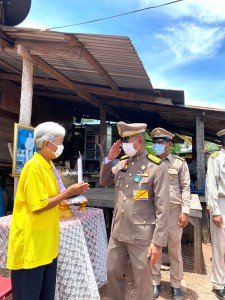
[77, 189]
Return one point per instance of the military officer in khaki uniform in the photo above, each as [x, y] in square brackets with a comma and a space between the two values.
[215, 198]
[140, 218]
[179, 181]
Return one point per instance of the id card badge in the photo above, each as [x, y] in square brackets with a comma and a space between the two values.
[140, 195]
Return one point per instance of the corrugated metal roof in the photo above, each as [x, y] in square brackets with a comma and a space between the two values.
[115, 54]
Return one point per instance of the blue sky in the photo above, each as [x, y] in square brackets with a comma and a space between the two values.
[182, 46]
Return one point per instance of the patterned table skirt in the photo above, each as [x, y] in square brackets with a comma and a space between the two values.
[82, 254]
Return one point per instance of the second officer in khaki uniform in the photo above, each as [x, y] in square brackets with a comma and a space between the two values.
[179, 181]
[139, 225]
[215, 198]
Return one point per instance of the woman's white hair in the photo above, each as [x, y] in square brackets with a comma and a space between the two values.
[47, 131]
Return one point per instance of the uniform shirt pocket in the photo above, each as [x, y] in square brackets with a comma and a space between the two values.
[144, 183]
[173, 175]
[143, 226]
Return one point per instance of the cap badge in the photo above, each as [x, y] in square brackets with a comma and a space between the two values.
[158, 132]
[119, 131]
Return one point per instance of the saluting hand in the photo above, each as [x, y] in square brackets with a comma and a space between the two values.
[154, 253]
[77, 189]
[114, 151]
[183, 220]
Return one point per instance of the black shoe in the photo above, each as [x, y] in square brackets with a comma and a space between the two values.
[220, 294]
[155, 291]
[176, 294]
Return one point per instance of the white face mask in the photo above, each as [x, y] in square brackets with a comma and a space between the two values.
[58, 151]
[129, 150]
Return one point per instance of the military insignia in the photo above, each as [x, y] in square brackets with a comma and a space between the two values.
[120, 131]
[140, 195]
[215, 153]
[155, 159]
[137, 178]
[143, 167]
[180, 158]
[158, 132]
[144, 174]
[124, 157]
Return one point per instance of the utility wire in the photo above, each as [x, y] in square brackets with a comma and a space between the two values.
[115, 16]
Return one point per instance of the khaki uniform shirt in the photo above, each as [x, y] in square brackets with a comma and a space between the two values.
[179, 181]
[139, 221]
[215, 181]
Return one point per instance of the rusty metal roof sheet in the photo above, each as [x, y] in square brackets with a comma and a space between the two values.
[115, 54]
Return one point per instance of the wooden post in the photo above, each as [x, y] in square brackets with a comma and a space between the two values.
[26, 94]
[200, 151]
[26, 88]
[103, 132]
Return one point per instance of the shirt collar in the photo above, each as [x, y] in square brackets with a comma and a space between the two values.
[139, 156]
[43, 161]
[169, 157]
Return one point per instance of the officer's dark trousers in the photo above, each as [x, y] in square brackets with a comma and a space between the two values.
[34, 284]
[117, 265]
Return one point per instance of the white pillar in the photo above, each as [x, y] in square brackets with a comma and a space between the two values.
[26, 96]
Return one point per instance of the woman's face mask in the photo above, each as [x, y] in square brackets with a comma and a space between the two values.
[158, 148]
[129, 150]
[58, 151]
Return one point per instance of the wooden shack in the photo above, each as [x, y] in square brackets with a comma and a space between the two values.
[57, 76]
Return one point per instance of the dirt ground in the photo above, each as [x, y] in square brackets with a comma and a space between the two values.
[194, 286]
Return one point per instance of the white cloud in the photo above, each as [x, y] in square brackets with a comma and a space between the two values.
[189, 41]
[202, 10]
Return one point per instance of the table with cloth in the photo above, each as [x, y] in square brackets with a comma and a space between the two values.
[82, 254]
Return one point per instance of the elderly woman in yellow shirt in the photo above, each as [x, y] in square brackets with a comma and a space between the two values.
[34, 231]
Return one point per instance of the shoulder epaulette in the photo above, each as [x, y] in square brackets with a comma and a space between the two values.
[180, 158]
[124, 157]
[215, 153]
[155, 159]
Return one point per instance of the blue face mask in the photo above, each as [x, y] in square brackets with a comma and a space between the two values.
[158, 148]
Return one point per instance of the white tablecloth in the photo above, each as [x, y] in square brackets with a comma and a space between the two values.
[82, 254]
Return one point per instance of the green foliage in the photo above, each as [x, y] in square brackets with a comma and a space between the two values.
[176, 148]
[148, 143]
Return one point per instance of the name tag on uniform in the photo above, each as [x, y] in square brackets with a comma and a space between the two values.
[141, 195]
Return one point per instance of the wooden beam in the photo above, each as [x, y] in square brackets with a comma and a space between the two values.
[134, 97]
[128, 95]
[7, 65]
[52, 49]
[9, 115]
[39, 63]
[73, 40]
[58, 95]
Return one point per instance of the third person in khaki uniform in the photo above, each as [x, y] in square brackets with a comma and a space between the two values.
[179, 181]
[139, 225]
[215, 198]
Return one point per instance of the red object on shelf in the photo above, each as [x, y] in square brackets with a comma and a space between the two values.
[5, 287]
